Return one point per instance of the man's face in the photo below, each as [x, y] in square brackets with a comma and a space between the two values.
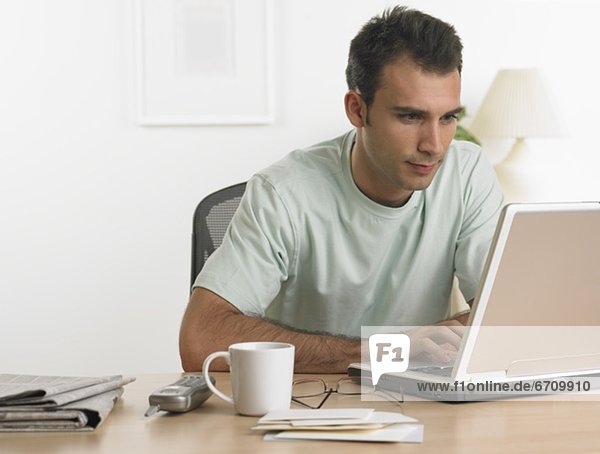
[403, 138]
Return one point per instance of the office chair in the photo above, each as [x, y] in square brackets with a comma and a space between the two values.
[211, 218]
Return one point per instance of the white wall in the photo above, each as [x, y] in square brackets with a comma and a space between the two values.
[96, 210]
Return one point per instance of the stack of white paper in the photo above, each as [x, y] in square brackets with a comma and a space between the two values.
[348, 424]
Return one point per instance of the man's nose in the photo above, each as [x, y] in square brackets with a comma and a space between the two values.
[431, 139]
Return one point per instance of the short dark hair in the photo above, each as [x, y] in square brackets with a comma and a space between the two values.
[401, 32]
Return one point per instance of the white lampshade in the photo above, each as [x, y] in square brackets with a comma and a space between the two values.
[517, 105]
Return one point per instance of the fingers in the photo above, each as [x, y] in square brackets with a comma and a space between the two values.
[438, 343]
[426, 348]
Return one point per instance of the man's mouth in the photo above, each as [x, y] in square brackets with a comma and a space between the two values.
[422, 168]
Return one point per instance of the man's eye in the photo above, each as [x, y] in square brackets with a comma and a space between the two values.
[410, 117]
[449, 118]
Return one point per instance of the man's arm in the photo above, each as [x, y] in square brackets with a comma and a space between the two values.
[212, 324]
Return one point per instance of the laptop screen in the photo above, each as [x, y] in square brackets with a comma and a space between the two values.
[538, 306]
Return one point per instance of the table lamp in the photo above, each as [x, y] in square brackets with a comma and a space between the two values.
[517, 106]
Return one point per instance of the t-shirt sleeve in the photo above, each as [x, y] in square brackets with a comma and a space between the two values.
[482, 201]
[256, 253]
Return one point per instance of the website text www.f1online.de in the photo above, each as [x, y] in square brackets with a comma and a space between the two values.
[536, 386]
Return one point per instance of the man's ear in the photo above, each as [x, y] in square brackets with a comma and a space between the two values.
[356, 110]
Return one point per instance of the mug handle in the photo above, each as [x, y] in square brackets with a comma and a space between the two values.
[208, 381]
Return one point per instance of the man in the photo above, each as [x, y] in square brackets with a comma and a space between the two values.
[365, 229]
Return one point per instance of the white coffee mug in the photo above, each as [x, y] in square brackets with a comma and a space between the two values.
[261, 376]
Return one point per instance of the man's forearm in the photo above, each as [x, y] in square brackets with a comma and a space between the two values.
[463, 316]
[211, 324]
[315, 353]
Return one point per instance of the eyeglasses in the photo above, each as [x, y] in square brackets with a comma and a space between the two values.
[349, 386]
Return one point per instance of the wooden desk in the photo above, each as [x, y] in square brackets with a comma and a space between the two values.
[514, 427]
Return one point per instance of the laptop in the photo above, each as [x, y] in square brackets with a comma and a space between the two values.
[536, 315]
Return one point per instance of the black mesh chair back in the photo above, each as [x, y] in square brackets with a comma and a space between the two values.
[211, 218]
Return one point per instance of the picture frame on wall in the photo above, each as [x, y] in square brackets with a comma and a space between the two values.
[204, 62]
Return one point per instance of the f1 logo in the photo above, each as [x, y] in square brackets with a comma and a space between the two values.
[388, 353]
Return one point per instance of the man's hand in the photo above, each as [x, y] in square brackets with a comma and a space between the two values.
[439, 342]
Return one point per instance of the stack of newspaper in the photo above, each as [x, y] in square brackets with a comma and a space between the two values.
[31, 403]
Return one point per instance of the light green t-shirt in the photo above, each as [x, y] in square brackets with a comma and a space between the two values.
[308, 249]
